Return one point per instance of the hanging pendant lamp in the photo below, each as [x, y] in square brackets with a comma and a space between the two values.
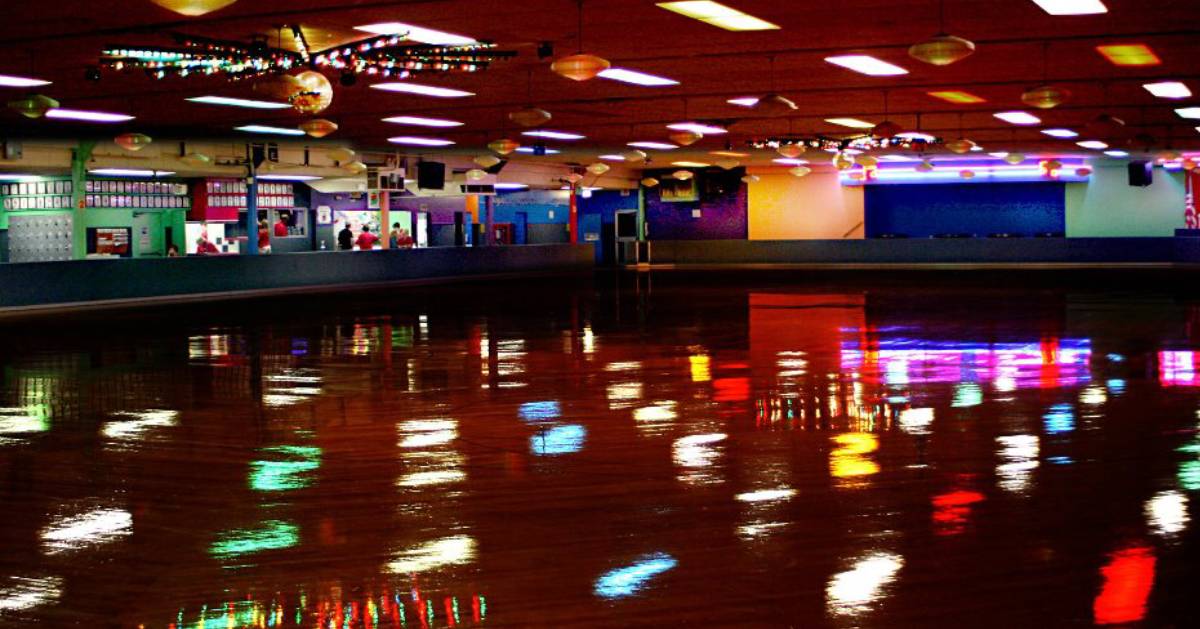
[728, 163]
[486, 161]
[355, 168]
[580, 66]
[942, 49]
[635, 156]
[685, 138]
[750, 178]
[683, 175]
[504, 146]
[341, 154]
[476, 175]
[319, 127]
[1045, 97]
[650, 182]
[196, 160]
[841, 161]
[1014, 158]
[791, 150]
[193, 8]
[574, 178]
[33, 106]
[316, 93]
[966, 174]
[800, 171]
[598, 168]
[772, 103]
[133, 141]
[960, 146]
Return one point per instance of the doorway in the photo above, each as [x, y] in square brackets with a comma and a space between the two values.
[520, 220]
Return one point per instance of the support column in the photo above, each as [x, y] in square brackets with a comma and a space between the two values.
[489, 236]
[80, 157]
[385, 221]
[251, 222]
[573, 215]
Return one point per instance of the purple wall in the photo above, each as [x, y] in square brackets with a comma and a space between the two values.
[441, 209]
[339, 201]
[722, 208]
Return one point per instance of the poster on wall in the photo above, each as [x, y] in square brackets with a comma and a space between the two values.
[373, 200]
[324, 215]
[673, 190]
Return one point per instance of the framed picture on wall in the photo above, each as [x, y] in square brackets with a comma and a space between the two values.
[673, 190]
[324, 215]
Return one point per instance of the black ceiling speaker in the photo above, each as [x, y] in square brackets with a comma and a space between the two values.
[431, 175]
[1141, 174]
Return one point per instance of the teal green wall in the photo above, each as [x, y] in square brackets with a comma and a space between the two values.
[1107, 206]
[123, 217]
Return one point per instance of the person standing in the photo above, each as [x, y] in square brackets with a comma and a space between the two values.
[345, 238]
[264, 237]
[366, 240]
[281, 227]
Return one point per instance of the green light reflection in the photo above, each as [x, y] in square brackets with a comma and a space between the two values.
[271, 535]
[288, 470]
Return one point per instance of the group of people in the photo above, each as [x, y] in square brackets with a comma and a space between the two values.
[397, 239]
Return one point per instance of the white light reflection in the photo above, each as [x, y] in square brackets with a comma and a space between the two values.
[448, 551]
[660, 411]
[16, 421]
[632, 365]
[854, 591]
[1020, 456]
[693, 453]
[436, 477]
[423, 433]
[89, 529]
[1167, 513]
[1093, 396]
[916, 421]
[139, 422]
[766, 495]
[29, 592]
[623, 394]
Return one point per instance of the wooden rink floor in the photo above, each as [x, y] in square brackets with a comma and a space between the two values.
[675, 450]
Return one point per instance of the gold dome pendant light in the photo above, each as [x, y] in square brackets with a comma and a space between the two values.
[319, 127]
[580, 66]
[133, 141]
[504, 146]
[1045, 96]
[962, 145]
[530, 116]
[773, 104]
[943, 48]
[33, 106]
[193, 8]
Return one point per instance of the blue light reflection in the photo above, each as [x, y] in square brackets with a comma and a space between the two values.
[627, 581]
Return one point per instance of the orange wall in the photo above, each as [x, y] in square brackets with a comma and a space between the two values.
[785, 207]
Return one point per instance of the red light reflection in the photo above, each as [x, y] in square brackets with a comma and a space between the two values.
[1128, 579]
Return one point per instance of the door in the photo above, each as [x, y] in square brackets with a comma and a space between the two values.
[421, 231]
[460, 232]
[147, 236]
[589, 229]
[520, 219]
[502, 234]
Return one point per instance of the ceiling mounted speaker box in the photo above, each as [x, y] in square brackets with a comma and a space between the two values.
[1141, 174]
[431, 175]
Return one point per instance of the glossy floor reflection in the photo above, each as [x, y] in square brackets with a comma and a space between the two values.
[641, 451]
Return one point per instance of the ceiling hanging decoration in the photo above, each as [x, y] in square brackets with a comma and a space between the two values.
[356, 168]
[635, 156]
[33, 106]
[906, 142]
[193, 8]
[728, 163]
[598, 168]
[580, 66]
[924, 167]
[1083, 171]
[750, 178]
[341, 154]
[683, 175]
[943, 48]
[476, 175]
[1014, 158]
[392, 56]
[530, 117]
[1045, 97]
[279, 87]
[486, 161]
[960, 146]
[685, 138]
[319, 127]
[966, 174]
[133, 141]
[841, 161]
[650, 182]
[887, 128]
[196, 160]
[790, 150]
[504, 146]
[800, 171]
[772, 103]
[315, 95]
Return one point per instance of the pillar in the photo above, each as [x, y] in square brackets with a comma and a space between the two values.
[251, 222]
[385, 221]
[573, 215]
[80, 157]
[489, 236]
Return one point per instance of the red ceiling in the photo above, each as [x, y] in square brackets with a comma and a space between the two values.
[58, 40]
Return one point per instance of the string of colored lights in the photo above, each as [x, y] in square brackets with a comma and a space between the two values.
[910, 142]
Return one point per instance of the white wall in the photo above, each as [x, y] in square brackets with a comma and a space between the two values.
[1108, 206]
[785, 207]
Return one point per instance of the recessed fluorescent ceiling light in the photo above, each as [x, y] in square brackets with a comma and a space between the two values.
[288, 177]
[1129, 54]
[511, 186]
[238, 102]
[13, 177]
[1191, 113]
[697, 127]
[613, 158]
[258, 128]
[748, 101]
[415, 141]
[88, 116]
[1168, 89]
[896, 158]
[728, 154]
[718, 15]
[1072, 7]
[636, 78]
[690, 164]
[913, 135]
[1060, 133]
[553, 135]
[866, 64]
[1092, 144]
[422, 90]
[530, 150]
[790, 161]
[956, 97]
[20, 81]
[417, 33]
[130, 172]
[1018, 117]
[1117, 153]
[853, 123]
[999, 154]
[661, 146]
[423, 122]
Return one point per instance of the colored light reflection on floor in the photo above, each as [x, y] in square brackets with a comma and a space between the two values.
[1128, 580]
[627, 581]
[558, 440]
[447, 551]
[952, 509]
[269, 535]
[849, 460]
[856, 590]
[87, 529]
[290, 468]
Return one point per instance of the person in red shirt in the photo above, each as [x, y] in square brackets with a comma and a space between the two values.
[264, 237]
[281, 227]
[366, 240]
[204, 247]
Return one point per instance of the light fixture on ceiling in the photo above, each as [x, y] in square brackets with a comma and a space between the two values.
[1018, 117]
[747, 101]
[355, 168]
[598, 168]
[772, 103]
[580, 66]
[960, 146]
[1072, 7]
[196, 160]
[650, 182]
[421, 121]
[269, 130]
[133, 141]
[130, 172]
[790, 161]
[486, 161]
[853, 123]
[842, 161]
[685, 138]
[418, 89]
[1168, 89]
[1014, 158]
[750, 179]
[728, 163]
[33, 106]
[658, 146]
[240, 102]
[791, 151]
[1116, 153]
[799, 171]
[698, 127]
[957, 97]
[319, 127]
[417, 34]
[504, 146]
[634, 156]
[966, 174]
[193, 8]
[476, 174]
[553, 135]
[866, 64]
[887, 128]
[690, 164]
[1095, 145]
[83, 115]
[719, 15]
[530, 117]
[942, 49]
[1129, 54]
[633, 77]
[409, 140]
[315, 95]
[1060, 133]
[1191, 113]
[683, 175]
[1045, 96]
[20, 81]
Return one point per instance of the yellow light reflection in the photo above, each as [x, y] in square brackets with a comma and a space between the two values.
[701, 366]
[849, 461]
